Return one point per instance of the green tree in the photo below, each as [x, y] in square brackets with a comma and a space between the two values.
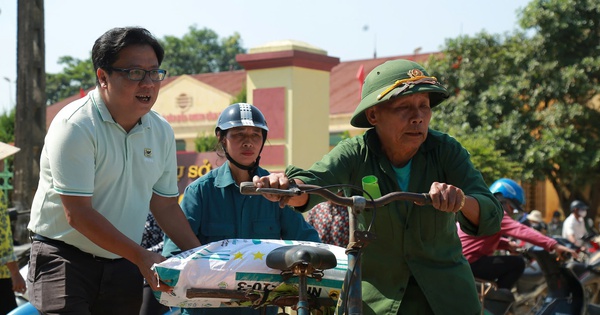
[7, 135]
[7, 126]
[241, 97]
[563, 80]
[206, 143]
[491, 162]
[77, 74]
[201, 51]
[531, 92]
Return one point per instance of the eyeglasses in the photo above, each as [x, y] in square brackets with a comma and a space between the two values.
[137, 74]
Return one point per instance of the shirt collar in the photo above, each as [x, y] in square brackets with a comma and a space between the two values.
[105, 113]
[224, 177]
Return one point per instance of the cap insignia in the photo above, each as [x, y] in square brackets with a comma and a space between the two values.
[413, 73]
[415, 77]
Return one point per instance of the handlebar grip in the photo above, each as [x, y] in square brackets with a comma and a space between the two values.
[248, 188]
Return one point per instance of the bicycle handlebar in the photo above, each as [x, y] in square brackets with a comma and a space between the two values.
[248, 188]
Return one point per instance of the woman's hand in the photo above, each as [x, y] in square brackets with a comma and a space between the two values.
[563, 251]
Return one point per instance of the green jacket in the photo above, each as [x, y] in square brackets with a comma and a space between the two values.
[412, 240]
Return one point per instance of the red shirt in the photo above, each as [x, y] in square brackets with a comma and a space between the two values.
[475, 247]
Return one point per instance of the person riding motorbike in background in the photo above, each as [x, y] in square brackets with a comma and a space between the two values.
[505, 270]
[575, 226]
[555, 226]
[536, 221]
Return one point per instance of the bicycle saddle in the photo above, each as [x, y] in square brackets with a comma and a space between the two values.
[287, 257]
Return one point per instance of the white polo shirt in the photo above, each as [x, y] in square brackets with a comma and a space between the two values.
[572, 226]
[86, 153]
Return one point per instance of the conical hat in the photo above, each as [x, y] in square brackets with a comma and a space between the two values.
[7, 150]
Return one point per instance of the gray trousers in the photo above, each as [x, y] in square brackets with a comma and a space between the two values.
[66, 280]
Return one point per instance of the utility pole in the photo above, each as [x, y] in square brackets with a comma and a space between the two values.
[30, 118]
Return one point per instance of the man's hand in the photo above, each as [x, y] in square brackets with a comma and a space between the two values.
[18, 283]
[147, 260]
[280, 181]
[447, 198]
[273, 180]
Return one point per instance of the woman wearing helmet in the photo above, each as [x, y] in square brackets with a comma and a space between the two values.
[505, 270]
[217, 210]
[415, 266]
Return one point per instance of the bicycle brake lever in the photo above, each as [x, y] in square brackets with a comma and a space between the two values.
[281, 192]
[248, 188]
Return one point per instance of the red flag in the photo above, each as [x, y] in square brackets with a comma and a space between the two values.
[81, 92]
[360, 76]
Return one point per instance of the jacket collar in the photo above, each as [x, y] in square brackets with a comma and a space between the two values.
[224, 177]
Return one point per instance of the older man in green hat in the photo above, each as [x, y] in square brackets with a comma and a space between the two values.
[415, 266]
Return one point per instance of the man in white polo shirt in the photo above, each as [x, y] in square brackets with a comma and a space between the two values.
[106, 160]
[574, 225]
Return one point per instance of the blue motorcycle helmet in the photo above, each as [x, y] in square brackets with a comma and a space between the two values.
[242, 115]
[508, 189]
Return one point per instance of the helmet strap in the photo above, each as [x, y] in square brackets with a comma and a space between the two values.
[252, 168]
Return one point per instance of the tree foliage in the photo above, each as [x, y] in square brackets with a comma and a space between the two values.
[533, 93]
[77, 74]
[206, 143]
[241, 97]
[198, 51]
[491, 162]
[7, 126]
[201, 51]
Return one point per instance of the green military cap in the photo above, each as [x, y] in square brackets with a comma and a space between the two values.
[392, 79]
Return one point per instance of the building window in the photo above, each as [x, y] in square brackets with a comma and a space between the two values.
[180, 145]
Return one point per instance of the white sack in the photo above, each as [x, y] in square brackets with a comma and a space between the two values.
[237, 264]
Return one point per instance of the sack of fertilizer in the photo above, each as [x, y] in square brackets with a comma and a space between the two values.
[239, 266]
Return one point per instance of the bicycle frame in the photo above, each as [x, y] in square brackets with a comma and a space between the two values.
[350, 299]
[353, 300]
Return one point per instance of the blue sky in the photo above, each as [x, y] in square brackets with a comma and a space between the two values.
[348, 29]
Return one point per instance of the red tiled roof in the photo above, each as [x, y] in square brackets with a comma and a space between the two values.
[344, 93]
[53, 109]
[231, 82]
